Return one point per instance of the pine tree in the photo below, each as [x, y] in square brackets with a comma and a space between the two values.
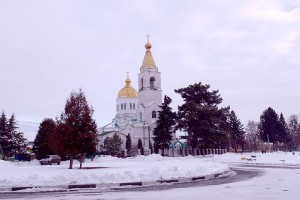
[236, 131]
[3, 135]
[112, 145]
[150, 146]
[140, 146]
[268, 127]
[17, 142]
[41, 145]
[283, 131]
[165, 125]
[11, 141]
[128, 144]
[76, 132]
[200, 116]
[20, 143]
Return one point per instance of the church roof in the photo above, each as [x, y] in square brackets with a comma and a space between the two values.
[127, 90]
[148, 61]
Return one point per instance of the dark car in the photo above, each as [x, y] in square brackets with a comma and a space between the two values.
[48, 160]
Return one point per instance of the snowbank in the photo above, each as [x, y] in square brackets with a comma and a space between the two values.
[107, 170]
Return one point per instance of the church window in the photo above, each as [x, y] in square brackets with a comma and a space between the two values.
[121, 106]
[153, 114]
[142, 84]
[130, 106]
[133, 106]
[152, 81]
[124, 106]
[140, 116]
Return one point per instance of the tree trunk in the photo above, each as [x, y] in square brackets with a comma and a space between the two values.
[2, 153]
[189, 142]
[81, 158]
[71, 162]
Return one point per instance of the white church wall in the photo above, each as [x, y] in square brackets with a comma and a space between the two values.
[122, 109]
[140, 113]
[148, 113]
[148, 97]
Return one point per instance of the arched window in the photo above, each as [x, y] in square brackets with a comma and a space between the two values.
[133, 106]
[142, 84]
[140, 116]
[121, 106]
[130, 106]
[152, 85]
[153, 114]
[124, 106]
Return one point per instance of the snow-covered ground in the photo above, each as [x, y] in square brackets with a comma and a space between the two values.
[107, 170]
[274, 158]
[143, 168]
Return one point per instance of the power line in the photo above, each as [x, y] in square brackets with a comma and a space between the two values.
[29, 122]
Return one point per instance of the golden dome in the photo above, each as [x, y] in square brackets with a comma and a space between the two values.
[127, 90]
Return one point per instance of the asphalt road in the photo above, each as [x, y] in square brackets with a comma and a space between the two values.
[242, 173]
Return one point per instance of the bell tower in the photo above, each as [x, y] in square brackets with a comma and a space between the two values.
[149, 80]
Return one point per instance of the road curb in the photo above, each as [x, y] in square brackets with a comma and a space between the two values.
[82, 186]
[20, 188]
[131, 184]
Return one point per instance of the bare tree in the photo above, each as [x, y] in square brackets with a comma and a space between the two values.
[252, 135]
[294, 128]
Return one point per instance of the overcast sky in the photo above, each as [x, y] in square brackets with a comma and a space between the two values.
[249, 50]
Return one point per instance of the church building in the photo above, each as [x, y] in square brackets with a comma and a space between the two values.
[137, 111]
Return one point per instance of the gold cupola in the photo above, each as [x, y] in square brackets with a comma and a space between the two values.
[148, 61]
[127, 90]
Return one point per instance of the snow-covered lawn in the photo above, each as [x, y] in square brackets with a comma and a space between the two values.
[274, 158]
[115, 170]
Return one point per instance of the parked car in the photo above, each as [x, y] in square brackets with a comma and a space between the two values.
[48, 160]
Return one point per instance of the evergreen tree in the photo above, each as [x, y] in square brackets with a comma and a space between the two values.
[18, 144]
[150, 146]
[11, 141]
[200, 116]
[165, 125]
[76, 132]
[236, 131]
[128, 144]
[140, 146]
[112, 145]
[41, 145]
[3, 135]
[283, 131]
[268, 127]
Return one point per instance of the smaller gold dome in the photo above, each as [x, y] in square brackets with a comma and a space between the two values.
[127, 90]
